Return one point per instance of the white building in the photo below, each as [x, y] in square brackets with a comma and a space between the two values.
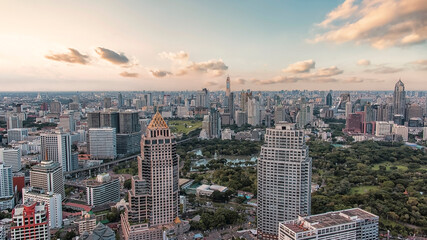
[17, 134]
[207, 190]
[254, 115]
[383, 128]
[51, 200]
[348, 108]
[350, 224]
[11, 157]
[401, 130]
[56, 147]
[424, 133]
[102, 143]
[226, 134]
[30, 221]
[6, 188]
[284, 179]
[102, 190]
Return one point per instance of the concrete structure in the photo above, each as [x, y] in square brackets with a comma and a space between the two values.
[128, 143]
[99, 232]
[241, 118]
[254, 115]
[55, 107]
[383, 128]
[102, 143]
[102, 190]
[402, 131]
[226, 134]
[52, 200]
[128, 122]
[399, 98]
[207, 190]
[30, 221]
[7, 200]
[48, 176]
[202, 98]
[350, 224]
[11, 157]
[348, 109]
[211, 125]
[17, 134]
[57, 148]
[86, 223]
[284, 179]
[154, 200]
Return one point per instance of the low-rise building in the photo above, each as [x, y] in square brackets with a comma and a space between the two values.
[207, 190]
[102, 190]
[86, 223]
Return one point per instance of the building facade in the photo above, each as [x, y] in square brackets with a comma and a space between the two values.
[52, 200]
[30, 221]
[7, 199]
[284, 179]
[57, 148]
[399, 98]
[102, 190]
[11, 157]
[102, 143]
[48, 176]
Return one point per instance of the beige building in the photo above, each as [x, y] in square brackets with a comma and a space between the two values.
[48, 176]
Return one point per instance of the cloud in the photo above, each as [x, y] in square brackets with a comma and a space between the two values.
[210, 84]
[215, 67]
[363, 62]
[379, 23]
[300, 67]
[327, 72]
[384, 70]
[128, 74]
[178, 56]
[420, 64]
[354, 80]
[73, 56]
[112, 57]
[239, 81]
[159, 73]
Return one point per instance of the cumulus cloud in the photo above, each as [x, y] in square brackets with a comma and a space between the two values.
[129, 74]
[420, 64]
[159, 73]
[174, 56]
[215, 67]
[380, 23]
[300, 67]
[363, 62]
[112, 56]
[239, 81]
[384, 70]
[327, 72]
[73, 56]
[354, 80]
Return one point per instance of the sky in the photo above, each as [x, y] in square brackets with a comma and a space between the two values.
[189, 45]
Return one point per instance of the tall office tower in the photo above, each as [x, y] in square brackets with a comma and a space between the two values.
[102, 143]
[17, 134]
[120, 100]
[11, 157]
[399, 98]
[349, 224]
[129, 122]
[75, 106]
[202, 98]
[414, 111]
[284, 179]
[6, 188]
[56, 147]
[244, 97]
[107, 102]
[93, 119]
[370, 115]
[231, 106]
[344, 98]
[71, 121]
[55, 107]
[348, 109]
[30, 221]
[241, 118]
[14, 121]
[153, 200]
[329, 99]
[148, 99]
[44, 106]
[305, 113]
[228, 90]
[254, 115]
[52, 200]
[109, 119]
[211, 125]
[48, 176]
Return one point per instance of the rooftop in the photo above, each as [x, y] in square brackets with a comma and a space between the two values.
[157, 122]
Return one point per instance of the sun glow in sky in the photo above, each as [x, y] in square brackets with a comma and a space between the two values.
[187, 45]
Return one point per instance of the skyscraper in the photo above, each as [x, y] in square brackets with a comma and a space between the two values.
[11, 157]
[48, 176]
[107, 102]
[399, 98]
[227, 90]
[30, 221]
[202, 98]
[153, 200]
[56, 147]
[119, 100]
[55, 107]
[284, 179]
[6, 187]
[102, 143]
[254, 115]
[329, 99]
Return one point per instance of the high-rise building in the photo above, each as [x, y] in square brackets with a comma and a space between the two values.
[48, 176]
[120, 100]
[383, 128]
[11, 157]
[348, 109]
[349, 224]
[30, 221]
[93, 120]
[354, 123]
[14, 121]
[154, 199]
[241, 118]
[399, 98]
[55, 107]
[129, 122]
[102, 143]
[148, 99]
[109, 119]
[211, 125]
[107, 102]
[17, 134]
[344, 98]
[227, 90]
[231, 109]
[414, 111]
[202, 98]
[6, 188]
[56, 147]
[284, 179]
[102, 190]
[254, 115]
[52, 200]
[329, 99]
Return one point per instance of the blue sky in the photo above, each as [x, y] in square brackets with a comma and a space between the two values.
[262, 45]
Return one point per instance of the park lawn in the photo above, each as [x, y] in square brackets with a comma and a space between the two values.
[376, 167]
[362, 189]
[184, 126]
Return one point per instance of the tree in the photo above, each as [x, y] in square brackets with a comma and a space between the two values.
[127, 184]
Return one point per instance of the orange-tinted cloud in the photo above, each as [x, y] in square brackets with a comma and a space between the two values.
[300, 67]
[159, 73]
[73, 56]
[112, 57]
[129, 74]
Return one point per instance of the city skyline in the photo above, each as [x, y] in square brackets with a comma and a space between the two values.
[338, 45]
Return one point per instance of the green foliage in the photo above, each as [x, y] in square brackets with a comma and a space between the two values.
[373, 176]
[184, 126]
[213, 220]
[128, 184]
[114, 215]
[127, 168]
